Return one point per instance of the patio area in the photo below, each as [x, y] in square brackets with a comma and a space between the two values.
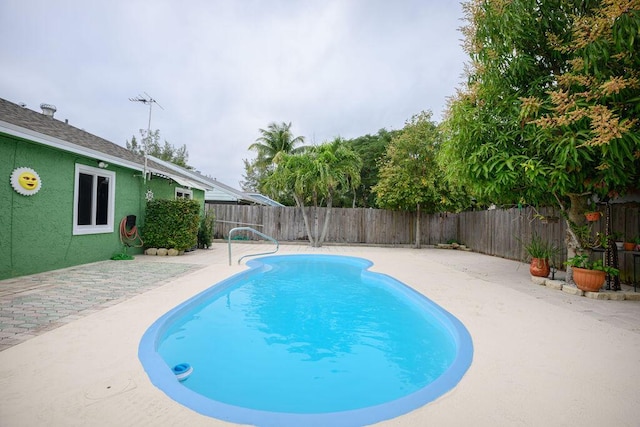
[69, 341]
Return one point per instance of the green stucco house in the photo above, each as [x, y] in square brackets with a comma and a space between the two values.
[64, 192]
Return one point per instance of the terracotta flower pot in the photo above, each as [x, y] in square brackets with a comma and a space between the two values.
[629, 246]
[592, 216]
[588, 280]
[539, 267]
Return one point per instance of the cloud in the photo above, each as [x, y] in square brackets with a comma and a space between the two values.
[223, 69]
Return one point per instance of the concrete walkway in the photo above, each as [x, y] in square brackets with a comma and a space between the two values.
[541, 356]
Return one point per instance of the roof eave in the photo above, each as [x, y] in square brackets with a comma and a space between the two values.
[50, 141]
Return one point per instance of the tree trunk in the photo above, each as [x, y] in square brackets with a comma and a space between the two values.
[575, 216]
[305, 218]
[315, 227]
[314, 239]
[325, 226]
[418, 226]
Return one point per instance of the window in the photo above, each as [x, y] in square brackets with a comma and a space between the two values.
[182, 193]
[93, 200]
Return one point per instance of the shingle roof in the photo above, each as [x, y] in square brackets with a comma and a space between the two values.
[49, 126]
[29, 119]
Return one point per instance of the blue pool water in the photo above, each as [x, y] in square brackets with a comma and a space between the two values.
[307, 340]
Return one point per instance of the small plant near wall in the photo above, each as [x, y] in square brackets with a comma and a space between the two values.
[122, 256]
[171, 224]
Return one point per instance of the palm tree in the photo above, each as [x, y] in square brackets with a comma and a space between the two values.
[320, 173]
[277, 138]
[295, 174]
[339, 168]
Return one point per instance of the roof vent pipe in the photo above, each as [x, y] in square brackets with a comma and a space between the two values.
[48, 109]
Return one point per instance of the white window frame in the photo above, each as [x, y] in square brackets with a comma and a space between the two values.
[93, 228]
[184, 191]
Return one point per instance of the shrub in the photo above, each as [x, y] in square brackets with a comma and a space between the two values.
[171, 224]
[205, 233]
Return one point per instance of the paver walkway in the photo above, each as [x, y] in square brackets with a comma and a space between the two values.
[32, 305]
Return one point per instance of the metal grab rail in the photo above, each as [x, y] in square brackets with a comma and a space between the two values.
[264, 236]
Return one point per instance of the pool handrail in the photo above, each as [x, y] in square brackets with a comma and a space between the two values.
[264, 236]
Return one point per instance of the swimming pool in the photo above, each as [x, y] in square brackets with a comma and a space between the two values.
[307, 340]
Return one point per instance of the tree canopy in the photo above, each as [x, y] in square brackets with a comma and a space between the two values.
[590, 115]
[548, 114]
[315, 177]
[371, 149]
[408, 170]
[276, 138]
[167, 152]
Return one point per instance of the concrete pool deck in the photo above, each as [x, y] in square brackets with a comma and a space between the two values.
[542, 357]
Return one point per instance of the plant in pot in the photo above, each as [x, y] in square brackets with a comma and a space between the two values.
[630, 244]
[540, 252]
[617, 237]
[599, 243]
[592, 214]
[589, 275]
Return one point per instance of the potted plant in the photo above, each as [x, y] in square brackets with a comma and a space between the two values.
[617, 237]
[600, 242]
[589, 275]
[592, 214]
[630, 244]
[540, 252]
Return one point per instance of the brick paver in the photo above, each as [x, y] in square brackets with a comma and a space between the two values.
[32, 305]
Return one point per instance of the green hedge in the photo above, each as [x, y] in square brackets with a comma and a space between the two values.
[171, 224]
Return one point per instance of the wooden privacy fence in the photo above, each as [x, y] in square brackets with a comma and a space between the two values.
[498, 232]
[348, 226]
[501, 232]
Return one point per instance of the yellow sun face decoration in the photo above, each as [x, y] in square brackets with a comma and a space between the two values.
[28, 181]
[25, 181]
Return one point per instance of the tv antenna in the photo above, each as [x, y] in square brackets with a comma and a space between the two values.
[147, 99]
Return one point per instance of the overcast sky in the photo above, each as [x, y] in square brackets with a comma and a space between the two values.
[221, 70]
